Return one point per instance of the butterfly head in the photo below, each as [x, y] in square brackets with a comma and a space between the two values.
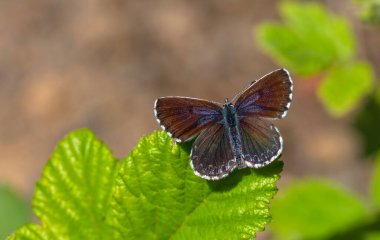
[227, 102]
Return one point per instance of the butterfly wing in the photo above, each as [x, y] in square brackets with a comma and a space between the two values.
[268, 97]
[261, 141]
[211, 154]
[183, 117]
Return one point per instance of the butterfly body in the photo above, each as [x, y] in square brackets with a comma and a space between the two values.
[231, 126]
[235, 134]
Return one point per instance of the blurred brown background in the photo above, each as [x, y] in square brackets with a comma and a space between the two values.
[101, 64]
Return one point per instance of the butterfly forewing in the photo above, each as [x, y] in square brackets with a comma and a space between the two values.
[261, 141]
[211, 155]
[183, 117]
[268, 97]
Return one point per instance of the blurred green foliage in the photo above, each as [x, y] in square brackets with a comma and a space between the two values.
[13, 211]
[349, 83]
[309, 41]
[312, 41]
[85, 193]
[372, 236]
[367, 122]
[370, 10]
[375, 184]
[320, 209]
[314, 209]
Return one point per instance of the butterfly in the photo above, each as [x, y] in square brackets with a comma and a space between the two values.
[236, 134]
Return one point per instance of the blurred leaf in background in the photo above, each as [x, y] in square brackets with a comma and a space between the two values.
[370, 11]
[319, 209]
[315, 209]
[313, 41]
[309, 41]
[345, 86]
[85, 193]
[13, 211]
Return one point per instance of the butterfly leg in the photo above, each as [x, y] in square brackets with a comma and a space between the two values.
[240, 162]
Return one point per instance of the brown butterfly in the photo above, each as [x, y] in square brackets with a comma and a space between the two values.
[235, 134]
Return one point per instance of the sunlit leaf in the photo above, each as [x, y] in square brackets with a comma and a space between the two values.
[85, 193]
[345, 86]
[34, 231]
[315, 209]
[158, 196]
[73, 195]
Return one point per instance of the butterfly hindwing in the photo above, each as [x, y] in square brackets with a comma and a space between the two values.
[268, 97]
[261, 141]
[211, 154]
[183, 117]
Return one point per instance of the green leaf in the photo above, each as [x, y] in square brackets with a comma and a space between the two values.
[34, 231]
[345, 86]
[315, 209]
[84, 193]
[73, 195]
[310, 40]
[375, 183]
[13, 211]
[158, 196]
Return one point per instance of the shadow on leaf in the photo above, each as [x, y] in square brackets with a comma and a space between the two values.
[186, 146]
[229, 182]
[271, 169]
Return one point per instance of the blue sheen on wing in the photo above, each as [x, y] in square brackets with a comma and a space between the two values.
[184, 118]
[268, 97]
